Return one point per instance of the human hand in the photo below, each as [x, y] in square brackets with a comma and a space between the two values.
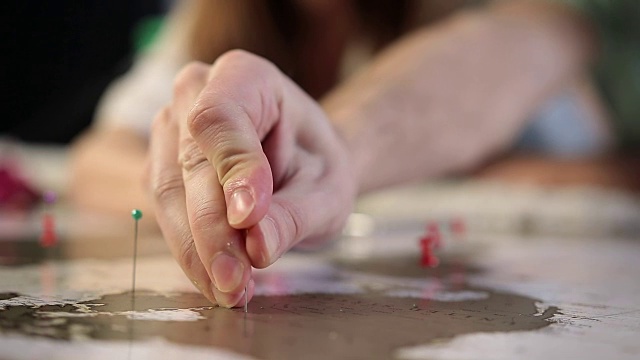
[243, 165]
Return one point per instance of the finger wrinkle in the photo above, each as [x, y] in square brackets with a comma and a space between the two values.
[188, 256]
[207, 115]
[167, 188]
[229, 164]
[205, 214]
[295, 221]
[191, 157]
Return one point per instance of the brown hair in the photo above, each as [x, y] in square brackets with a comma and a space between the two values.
[272, 28]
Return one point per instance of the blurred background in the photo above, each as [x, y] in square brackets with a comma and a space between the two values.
[59, 56]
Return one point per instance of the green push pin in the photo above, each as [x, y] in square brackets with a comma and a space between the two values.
[136, 215]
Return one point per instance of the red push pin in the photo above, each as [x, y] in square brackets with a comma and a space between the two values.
[48, 237]
[427, 244]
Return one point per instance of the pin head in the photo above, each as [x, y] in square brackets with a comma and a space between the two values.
[136, 214]
[49, 197]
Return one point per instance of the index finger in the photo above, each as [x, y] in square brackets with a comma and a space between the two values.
[220, 247]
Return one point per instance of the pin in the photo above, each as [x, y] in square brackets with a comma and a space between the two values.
[428, 258]
[136, 215]
[246, 299]
[48, 236]
[428, 243]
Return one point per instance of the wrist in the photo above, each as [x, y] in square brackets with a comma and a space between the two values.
[358, 145]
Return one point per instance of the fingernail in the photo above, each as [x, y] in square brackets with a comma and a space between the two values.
[227, 272]
[271, 240]
[240, 206]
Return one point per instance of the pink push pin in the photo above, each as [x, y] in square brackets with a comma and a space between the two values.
[49, 197]
[48, 238]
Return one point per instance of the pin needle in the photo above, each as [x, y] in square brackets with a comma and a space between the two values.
[136, 215]
[245, 299]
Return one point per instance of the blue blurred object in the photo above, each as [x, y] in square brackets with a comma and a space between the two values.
[559, 129]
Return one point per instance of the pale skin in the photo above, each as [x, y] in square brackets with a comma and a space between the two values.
[244, 165]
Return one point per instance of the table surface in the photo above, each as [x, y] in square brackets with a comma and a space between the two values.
[539, 273]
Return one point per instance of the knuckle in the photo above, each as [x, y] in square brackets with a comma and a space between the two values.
[208, 119]
[235, 56]
[202, 117]
[166, 188]
[191, 73]
[229, 162]
[205, 214]
[191, 157]
[295, 222]
[239, 57]
[209, 124]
